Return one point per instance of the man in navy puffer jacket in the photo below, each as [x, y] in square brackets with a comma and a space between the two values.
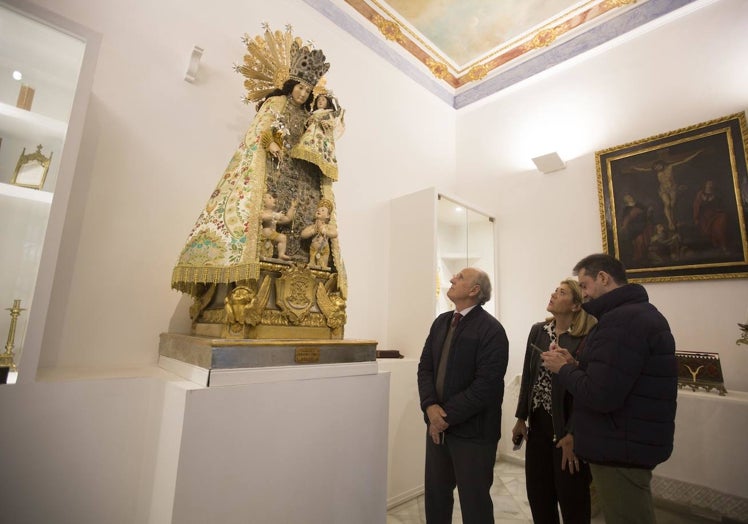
[624, 386]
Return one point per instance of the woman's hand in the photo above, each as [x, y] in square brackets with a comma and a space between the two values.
[567, 454]
[519, 429]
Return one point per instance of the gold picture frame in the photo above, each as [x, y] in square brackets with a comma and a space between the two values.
[31, 169]
[675, 206]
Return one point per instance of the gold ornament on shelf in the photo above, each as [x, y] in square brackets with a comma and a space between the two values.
[7, 358]
[25, 97]
[744, 336]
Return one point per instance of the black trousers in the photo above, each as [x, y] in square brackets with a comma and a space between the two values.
[547, 485]
[469, 466]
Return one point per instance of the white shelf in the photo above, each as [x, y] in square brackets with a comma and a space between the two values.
[25, 193]
[29, 125]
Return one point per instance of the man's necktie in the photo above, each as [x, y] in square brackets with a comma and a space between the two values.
[442, 371]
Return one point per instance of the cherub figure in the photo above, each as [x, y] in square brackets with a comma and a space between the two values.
[238, 305]
[320, 232]
[270, 219]
[332, 305]
[243, 308]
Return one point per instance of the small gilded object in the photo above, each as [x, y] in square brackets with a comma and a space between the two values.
[25, 97]
[7, 358]
[700, 370]
[744, 336]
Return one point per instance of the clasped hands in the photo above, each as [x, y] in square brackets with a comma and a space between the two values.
[437, 424]
[556, 357]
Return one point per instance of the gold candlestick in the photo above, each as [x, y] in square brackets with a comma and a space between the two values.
[7, 358]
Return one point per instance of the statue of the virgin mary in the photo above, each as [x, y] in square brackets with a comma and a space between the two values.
[245, 262]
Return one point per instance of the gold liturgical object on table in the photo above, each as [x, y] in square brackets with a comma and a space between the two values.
[263, 262]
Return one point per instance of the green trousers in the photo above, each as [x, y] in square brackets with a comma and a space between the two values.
[625, 494]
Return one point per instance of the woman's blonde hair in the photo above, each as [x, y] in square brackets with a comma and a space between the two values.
[582, 322]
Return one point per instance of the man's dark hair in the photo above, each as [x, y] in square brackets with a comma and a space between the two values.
[593, 264]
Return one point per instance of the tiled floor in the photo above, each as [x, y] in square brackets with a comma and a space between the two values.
[510, 503]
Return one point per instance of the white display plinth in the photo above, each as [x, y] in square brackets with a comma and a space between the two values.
[144, 446]
[311, 450]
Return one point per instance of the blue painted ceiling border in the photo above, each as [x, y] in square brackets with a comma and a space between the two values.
[600, 34]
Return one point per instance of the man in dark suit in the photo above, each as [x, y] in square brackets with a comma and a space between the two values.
[461, 386]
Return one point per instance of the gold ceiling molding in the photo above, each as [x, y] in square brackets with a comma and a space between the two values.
[612, 4]
[545, 37]
[389, 29]
[395, 17]
[477, 72]
[394, 29]
[439, 69]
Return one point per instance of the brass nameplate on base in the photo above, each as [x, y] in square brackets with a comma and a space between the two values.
[306, 355]
[222, 354]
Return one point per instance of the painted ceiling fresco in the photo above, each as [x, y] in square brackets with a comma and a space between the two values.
[484, 26]
[464, 50]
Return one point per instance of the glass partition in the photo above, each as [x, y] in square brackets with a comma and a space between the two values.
[465, 238]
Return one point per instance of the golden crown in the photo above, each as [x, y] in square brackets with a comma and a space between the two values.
[274, 57]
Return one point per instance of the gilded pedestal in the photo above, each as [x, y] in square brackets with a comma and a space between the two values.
[215, 361]
[287, 301]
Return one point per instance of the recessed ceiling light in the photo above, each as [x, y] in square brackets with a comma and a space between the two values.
[458, 209]
[17, 75]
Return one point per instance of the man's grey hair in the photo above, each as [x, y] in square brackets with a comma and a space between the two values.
[482, 280]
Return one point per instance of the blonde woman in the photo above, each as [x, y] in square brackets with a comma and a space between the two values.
[554, 475]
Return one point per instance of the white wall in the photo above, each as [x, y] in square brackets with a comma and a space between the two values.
[687, 71]
[156, 145]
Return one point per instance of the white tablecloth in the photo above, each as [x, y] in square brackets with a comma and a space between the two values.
[709, 464]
